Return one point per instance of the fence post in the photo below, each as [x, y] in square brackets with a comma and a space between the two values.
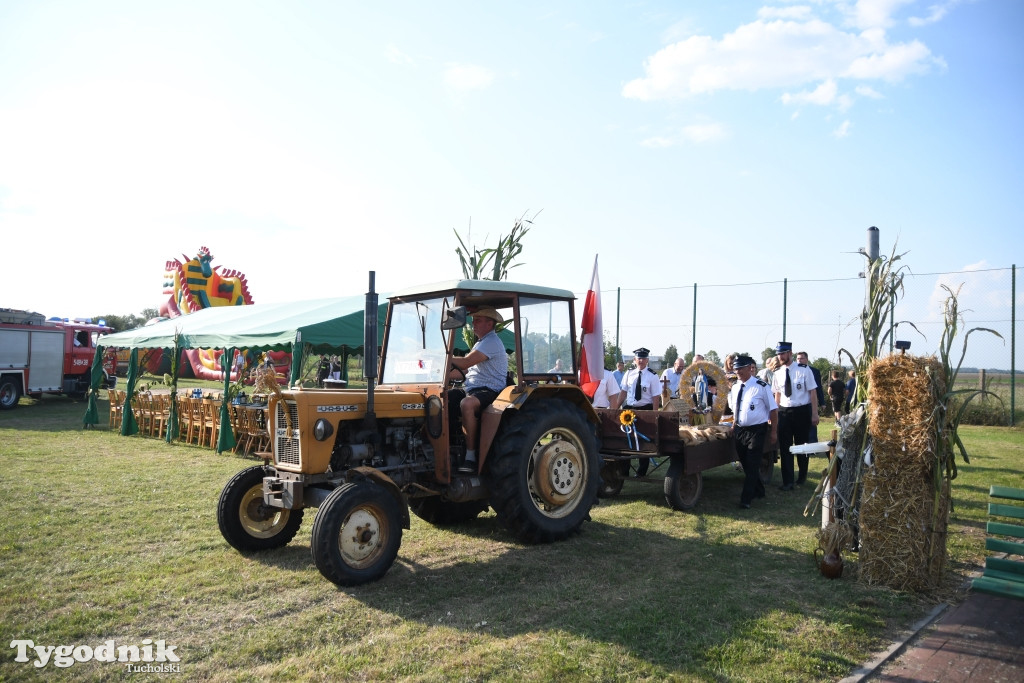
[694, 342]
[1013, 345]
[785, 296]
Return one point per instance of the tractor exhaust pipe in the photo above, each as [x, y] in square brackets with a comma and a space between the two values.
[370, 353]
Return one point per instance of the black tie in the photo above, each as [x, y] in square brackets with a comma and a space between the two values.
[639, 385]
[739, 402]
[789, 385]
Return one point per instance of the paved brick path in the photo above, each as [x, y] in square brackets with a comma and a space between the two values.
[979, 640]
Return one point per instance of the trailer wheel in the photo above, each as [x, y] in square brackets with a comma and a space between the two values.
[245, 522]
[444, 512]
[612, 478]
[543, 471]
[682, 491]
[10, 392]
[356, 533]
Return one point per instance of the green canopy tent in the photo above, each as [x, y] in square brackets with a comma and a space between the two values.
[332, 325]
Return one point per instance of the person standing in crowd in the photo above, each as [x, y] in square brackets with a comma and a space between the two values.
[837, 393]
[620, 370]
[673, 374]
[607, 394]
[640, 388]
[485, 371]
[755, 418]
[797, 399]
[801, 359]
[770, 366]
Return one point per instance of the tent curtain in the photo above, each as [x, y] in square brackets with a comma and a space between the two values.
[299, 351]
[92, 416]
[173, 426]
[129, 425]
[225, 435]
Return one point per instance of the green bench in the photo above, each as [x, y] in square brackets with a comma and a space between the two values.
[1003, 576]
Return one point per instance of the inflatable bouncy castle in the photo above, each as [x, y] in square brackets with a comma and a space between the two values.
[196, 284]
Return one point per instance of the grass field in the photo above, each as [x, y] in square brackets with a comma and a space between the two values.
[106, 537]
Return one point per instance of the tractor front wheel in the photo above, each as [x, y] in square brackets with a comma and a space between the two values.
[246, 522]
[356, 533]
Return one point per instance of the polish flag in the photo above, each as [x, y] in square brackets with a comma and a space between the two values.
[592, 339]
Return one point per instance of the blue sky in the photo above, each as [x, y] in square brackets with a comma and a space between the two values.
[306, 143]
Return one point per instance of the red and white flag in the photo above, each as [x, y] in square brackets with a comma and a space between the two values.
[592, 339]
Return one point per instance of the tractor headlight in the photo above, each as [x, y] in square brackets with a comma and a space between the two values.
[322, 430]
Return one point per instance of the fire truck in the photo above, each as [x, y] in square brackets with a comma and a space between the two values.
[39, 356]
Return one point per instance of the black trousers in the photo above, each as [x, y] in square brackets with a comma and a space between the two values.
[794, 428]
[750, 449]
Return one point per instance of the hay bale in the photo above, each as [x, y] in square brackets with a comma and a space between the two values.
[902, 516]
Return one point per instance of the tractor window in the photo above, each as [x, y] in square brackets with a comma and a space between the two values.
[547, 336]
[416, 344]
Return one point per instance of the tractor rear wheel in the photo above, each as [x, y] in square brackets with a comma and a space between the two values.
[544, 471]
[356, 533]
[246, 522]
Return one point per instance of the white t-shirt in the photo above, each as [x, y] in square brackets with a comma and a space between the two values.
[608, 388]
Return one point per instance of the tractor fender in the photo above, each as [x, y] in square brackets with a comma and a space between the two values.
[516, 397]
[376, 476]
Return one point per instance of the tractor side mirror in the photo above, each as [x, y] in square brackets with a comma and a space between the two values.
[453, 318]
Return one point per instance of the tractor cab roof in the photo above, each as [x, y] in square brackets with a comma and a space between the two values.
[481, 292]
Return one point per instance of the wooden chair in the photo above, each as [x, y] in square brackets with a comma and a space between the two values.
[142, 408]
[161, 413]
[238, 426]
[116, 399]
[211, 422]
[259, 439]
[184, 417]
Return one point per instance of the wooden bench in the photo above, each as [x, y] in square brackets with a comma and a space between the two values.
[1003, 576]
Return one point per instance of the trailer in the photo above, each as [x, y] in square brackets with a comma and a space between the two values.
[656, 435]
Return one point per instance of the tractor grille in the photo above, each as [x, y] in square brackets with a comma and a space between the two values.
[286, 446]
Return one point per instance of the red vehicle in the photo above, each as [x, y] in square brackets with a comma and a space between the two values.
[39, 356]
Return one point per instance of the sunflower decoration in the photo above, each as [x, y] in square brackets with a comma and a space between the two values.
[627, 418]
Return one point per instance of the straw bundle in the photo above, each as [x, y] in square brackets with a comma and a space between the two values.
[703, 433]
[905, 504]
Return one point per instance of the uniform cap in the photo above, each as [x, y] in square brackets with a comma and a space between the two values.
[784, 346]
[742, 362]
[642, 352]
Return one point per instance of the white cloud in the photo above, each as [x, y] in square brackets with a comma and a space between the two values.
[868, 91]
[798, 12]
[843, 130]
[464, 77]
[705, 132]
[935, 13]
[873, 13]
[396, 56]
[779, 54]
[657, 142]
[825, 94]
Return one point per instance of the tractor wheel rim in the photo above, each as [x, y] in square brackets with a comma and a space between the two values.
[559, 470]
[362, 536]
[258, 519]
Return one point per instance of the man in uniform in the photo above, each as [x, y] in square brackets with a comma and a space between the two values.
[795, 394]
[755, 418]
[641, 389]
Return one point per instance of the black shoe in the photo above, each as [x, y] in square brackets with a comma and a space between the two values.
[786, 487]
[800, 481]
[467, 467]
[745, 506]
